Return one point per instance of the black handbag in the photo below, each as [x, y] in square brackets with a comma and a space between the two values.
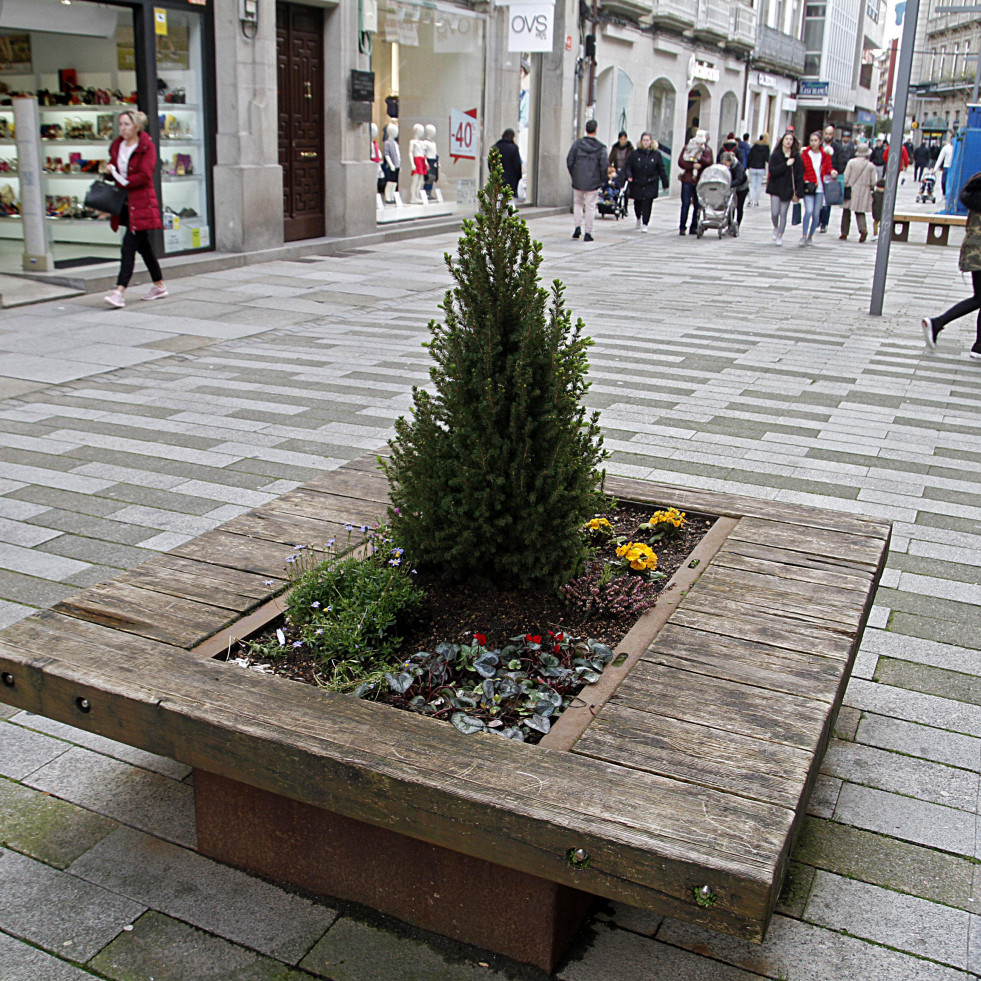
[105, 197]
[810, 188]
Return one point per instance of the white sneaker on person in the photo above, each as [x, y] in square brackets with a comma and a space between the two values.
[639, 224]
[115, 299]
[929, 333]
[644, 228]
[774, 236]
[778, 239]
[155, 293]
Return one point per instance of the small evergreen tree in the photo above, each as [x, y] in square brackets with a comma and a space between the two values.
[495, 472]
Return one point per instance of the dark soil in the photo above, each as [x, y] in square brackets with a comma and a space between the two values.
[455, 612]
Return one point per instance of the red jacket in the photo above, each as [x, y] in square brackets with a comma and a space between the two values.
[141, 196]
[903, 159]
[826, 168]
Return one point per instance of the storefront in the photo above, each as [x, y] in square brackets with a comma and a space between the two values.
[428, 110]
[86, 63]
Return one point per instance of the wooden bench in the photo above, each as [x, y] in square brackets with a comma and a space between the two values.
[938, 227]
[681, 789]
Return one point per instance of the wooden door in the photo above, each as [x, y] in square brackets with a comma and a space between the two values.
[300, 76]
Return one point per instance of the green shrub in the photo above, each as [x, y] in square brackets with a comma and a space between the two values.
[495, 471]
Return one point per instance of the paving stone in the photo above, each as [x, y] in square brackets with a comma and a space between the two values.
[352, 951]
[192, 888]
[22, 752]
[921, 741]
[22, 962]
[33, 562]
[795, 890]
[162, 949]
[902, 922]
[860, 763]
[100, 744]
[128, 794]
[805, 952]
[889, 862]
[45, 828]
[903, 817]
[955, 685]
[57, 911]
[85, 525]
[913, 706]
[92, 551]
[824, 796]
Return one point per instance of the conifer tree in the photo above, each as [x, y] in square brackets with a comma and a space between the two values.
[495, 471]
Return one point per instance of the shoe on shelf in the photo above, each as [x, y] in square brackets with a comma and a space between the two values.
[115, 299]
[930, 333]
[587, 237]
[577, 232]
[155, 293]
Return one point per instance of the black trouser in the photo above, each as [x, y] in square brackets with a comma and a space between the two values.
[134, 242]
[740, 203]
[917, 172]
[642, 209]
[963, 308]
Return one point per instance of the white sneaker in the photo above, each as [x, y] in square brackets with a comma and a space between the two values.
[155, 293]
[803, 240]
[115, 299]
[644, 228]
[774, 236]
[639, 224]
[778, 239]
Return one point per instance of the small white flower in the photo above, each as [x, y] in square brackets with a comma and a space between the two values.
[281, 637]
[268, 582]
[315, 605]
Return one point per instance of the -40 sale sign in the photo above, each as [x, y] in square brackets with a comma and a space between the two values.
[463, 134]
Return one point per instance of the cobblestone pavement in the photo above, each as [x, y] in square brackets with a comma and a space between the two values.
[729, 365]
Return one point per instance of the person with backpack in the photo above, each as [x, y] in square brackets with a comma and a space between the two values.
[970, 261]
[586, 162]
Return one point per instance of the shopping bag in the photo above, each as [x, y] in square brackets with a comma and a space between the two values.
[106, 197]
[834, 192]
[795, 214]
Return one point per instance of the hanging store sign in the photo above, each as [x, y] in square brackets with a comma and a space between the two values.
[530, 27]
[813, 90]
[766, 81]
[463, 134]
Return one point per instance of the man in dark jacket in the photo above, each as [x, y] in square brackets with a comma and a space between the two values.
[839, 160]
[510, 159]
[921, 160]
[587, 168]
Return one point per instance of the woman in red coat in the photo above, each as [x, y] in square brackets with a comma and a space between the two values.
[132, 162]
[817, 166]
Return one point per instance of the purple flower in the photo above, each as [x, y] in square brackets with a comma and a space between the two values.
[315, 605]
[297, 643]
[268, 582]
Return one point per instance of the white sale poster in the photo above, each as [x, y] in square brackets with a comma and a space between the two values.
[463, 134]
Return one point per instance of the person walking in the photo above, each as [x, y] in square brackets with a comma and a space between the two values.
[744, 149]
[943, 164]
[510, 160]
[970, 261]
[817, 165]
[738, 182]
[586, 162]
[878, 157]
[695, 157]
[903, 160]
[784, 183]
[839, 159]
[132, 162]
[860, 178]
[646, 174]
[759, 157]
[618, 155]
[921, 160]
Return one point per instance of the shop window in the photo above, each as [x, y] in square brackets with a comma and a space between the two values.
[728, 116]
[661, 102]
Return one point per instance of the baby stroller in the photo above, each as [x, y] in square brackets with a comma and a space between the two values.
[612, 200]
[716, 201]
[927, 184]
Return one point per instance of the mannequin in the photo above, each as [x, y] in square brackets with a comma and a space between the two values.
[417, 150]
[432, 164]
[375, 156]
[392, 158]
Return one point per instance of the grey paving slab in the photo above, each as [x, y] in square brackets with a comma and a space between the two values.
[57, 911]
[125, 793]
[163, 949]
[46, 828]
[352, 951]
[883, 916]
[208, 895]
[920, 741]
[100, 744]
[23, 752]
[22, 962]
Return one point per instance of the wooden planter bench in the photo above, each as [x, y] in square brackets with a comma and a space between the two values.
[938, 227]
[680, 788]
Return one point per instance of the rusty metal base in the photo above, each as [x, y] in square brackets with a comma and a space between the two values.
[528, 919]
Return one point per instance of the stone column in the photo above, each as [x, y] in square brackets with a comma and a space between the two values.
[351, 176]
[37, 257]
[248, 180]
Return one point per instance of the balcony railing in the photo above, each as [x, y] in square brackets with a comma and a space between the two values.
[678, 14]
[742, 27]
[713, 19]
[778, 51]
[635, 9]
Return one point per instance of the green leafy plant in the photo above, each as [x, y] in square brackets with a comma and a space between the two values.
[495, 471]
[667, 523]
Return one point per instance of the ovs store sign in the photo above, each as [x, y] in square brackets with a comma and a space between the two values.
[530, 26]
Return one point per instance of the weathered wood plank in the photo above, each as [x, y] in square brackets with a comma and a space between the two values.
[651, 840]
[698, 754]
[147, 613]
[330, 507]
[727, 705]
[287, 530]
[831, 543]
[239, 552]
[737, 506]
[785, 564]
[768, 668]
[359, 485]
[188, 579]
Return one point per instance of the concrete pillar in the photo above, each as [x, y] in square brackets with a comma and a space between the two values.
[555, 120]
[351, 176]
[248, 180]
[37, 257]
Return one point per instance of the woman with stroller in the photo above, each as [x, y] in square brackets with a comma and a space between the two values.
[817, 165]
[644, 172]
[970, 261]
[860, 178]
[739, 182]
[785, 183]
